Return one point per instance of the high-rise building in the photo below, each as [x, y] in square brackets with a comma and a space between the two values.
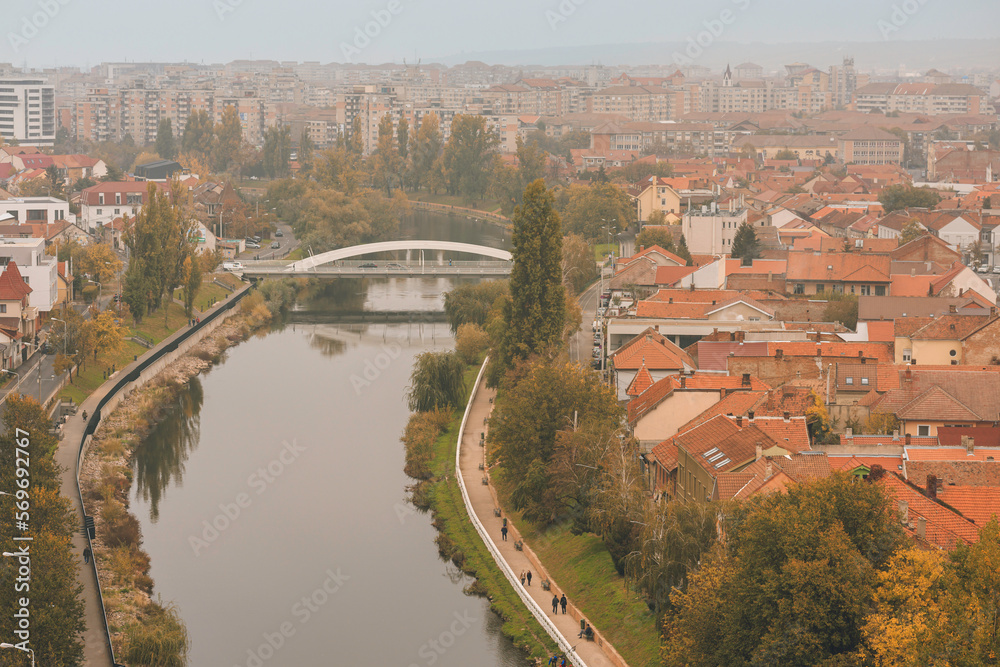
[28, 111]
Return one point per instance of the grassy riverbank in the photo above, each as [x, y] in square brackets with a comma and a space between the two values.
[459, 542]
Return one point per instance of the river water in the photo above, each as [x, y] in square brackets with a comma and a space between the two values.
[273, 503]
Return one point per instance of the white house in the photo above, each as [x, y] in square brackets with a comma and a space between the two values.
[40, 271]
[710, 231]
[104, 202]
[36, 210]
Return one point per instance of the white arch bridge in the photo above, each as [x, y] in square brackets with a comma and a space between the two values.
[421, 258]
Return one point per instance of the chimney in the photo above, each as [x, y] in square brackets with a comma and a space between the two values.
[786, 416]
[922, 527]
[969, 443]
[953, 309]
[928, 265]
[908, 376]
[907, 440]
[750, 416]
[913, 272]
[641, 248]
[722, 393]
[779, 354]
[746, 379]
[671, 300]
[767, 468]
[895, 435]
[741, 336]
[683, 382]
[861, 355]
[931, 486]
[739, 422]
[849, 433]
[759, 449]
[904, 512]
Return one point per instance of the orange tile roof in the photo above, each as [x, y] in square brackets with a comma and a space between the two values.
[951, 454]
[653, 351]
[12, 285]
[665, 454]
[658, 309]
[792, 435]
[838, 266]
[734, 403]
[640, 383]
[871, 350]
[979, 504]
[955, 473]
[671, 275]
[906, 285]
[945, 528]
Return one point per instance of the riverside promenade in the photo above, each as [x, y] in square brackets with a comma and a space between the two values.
[565, 628]
[70, 453]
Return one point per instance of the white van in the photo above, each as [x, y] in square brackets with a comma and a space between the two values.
[232, 266]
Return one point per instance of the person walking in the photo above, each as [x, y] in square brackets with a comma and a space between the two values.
[563, 602]
[555, 604]
[553, 660]
[86, 555]
[503, 533]
[522, 577]
[529, 577]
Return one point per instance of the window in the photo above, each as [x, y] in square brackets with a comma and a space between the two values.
[880, 290]
[3, 307]
[848, 380]
[100, 199]
[923, 430]
[864, 381]
[118, 211]
[800, 288]
[952, 353]
[820, 287]
[906, 356]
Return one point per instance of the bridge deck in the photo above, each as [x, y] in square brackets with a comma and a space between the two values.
[354, 268]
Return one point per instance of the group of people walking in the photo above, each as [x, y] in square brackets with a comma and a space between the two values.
[559, 602]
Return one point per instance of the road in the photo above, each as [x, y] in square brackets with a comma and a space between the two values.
[582, 342]
[286, 244]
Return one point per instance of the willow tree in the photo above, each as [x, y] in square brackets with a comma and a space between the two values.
[437, 381]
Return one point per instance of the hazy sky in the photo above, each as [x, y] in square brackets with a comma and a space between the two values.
[87, 32]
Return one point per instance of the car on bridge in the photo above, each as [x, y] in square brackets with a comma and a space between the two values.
[232, 266]
[396, 266]
[368, 265]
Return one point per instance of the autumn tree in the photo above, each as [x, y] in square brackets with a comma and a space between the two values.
[804, 562]
[896, 197]
[590, 210]
[425, 150]
[191, 278]
[199, 135]
[98, 261]
[228, 139]
[305, 153]
[649, 237]
[469, 156]
[166, 146]
[745, 246]
[471, 303]
[105, 334]
[387, 161]
[402, 147]
[578, 266]
[682, 251]
[539, 400]
[470, 342]
[276, 151]
[911, 231]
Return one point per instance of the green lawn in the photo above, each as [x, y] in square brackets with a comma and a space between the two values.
[582, 566]
[209, 291]
[298, 253]
[152, 327]
[92, 376]
[601, 250]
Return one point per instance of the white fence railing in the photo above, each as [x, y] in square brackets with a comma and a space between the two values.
[514, 580]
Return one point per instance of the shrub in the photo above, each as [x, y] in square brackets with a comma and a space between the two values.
[158, 639]
[117, 526]
[470, 342]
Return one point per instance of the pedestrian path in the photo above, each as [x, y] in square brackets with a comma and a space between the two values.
[597, 653]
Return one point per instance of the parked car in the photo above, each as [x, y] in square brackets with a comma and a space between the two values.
[275, 244]
[368, 265]
[996, 269]
[253, 245]
[232, 266]
[48, 347]
[596, 364]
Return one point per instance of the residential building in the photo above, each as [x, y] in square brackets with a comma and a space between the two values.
[102, 203]
[27, 111]
[36, 269]
[710, 230]
[870, 145]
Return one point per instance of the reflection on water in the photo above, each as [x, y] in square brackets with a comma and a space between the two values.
[161, 457]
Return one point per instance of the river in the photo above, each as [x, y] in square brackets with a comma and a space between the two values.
[273, 503]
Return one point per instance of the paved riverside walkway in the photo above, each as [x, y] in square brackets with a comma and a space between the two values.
[596, 653]
[96, 652]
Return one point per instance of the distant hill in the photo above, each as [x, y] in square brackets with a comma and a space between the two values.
[887, 56]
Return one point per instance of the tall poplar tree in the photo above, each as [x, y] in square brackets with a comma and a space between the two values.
[166, 146]
[535, 315]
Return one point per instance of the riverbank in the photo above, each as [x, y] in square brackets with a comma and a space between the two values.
[457, 539]
[142, 630]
